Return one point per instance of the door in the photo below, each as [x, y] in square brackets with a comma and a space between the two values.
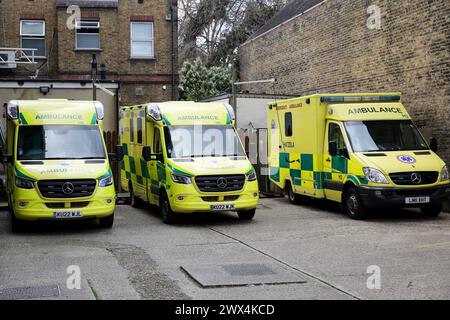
[335, 166]
[156, 167]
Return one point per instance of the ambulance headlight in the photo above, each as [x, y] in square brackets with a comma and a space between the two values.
[375, 176]
[230, 110]
[251, 176]
[100, 110]
[106, 181]
[179, 178]
[24, 183]
[153, 111]
[12, 109]
[445, 175]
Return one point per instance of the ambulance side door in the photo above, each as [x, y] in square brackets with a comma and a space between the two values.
[335, 161]
[156, 167]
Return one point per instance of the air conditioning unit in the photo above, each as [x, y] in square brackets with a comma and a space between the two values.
[8, 59]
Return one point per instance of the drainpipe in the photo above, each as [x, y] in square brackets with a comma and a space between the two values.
[172, 31]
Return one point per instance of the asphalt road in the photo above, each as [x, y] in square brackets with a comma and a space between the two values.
[310, 251]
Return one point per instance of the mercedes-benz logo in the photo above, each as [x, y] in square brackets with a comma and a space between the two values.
[68, 188]
[222, 183]
[416, 178]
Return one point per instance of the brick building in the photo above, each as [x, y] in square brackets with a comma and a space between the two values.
[315, 46]
[135, 43]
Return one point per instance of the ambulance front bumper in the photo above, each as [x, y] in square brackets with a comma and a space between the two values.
[30, 205]
[388, 197]
[187, 199]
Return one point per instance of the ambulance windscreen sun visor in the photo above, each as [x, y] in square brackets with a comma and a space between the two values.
[59, 142]
[202, 141]
[386, 135]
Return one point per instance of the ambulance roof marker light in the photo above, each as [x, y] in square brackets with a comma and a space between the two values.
[12, 109]
[99, 109]
[154, 111]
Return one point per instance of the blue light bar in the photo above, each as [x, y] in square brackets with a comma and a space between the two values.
[360, 99]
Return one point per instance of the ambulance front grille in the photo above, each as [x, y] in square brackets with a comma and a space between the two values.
[54, 188]
[223, 183]
[414, 178]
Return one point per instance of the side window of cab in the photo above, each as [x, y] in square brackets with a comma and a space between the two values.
[335, 135]
[157, 141]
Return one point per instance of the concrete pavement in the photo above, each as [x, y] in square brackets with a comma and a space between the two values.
[141, 258]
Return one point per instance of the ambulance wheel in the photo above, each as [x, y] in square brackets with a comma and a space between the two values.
[247, 215]
[292, 196]
[432, 211]
[353, 205]
[168, 216]
[106, 222]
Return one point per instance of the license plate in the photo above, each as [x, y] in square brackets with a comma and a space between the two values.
[67, 214]
[417, 200]
[222, 207]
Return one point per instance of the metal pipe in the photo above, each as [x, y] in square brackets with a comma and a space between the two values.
[256, 81]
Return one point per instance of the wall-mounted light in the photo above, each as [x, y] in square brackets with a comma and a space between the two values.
[44, 90]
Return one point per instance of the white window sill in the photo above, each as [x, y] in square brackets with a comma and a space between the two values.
[35, 58]
[142, 58]
[88, 50]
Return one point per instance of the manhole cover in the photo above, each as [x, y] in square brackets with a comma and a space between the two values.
[29, 292]
[249, 269]
[241, 274]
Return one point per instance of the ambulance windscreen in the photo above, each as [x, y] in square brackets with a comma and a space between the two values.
[202, 141]
[385, 135]
[60, 142]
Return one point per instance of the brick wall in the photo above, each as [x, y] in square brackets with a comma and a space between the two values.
[330, 49]
[66, 63]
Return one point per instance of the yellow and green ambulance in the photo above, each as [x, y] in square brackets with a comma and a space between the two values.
[186, 157]
[57, 162]
[361, 150]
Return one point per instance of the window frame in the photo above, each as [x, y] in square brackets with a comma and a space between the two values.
[151, 39]
[78, 26]
[28, 36]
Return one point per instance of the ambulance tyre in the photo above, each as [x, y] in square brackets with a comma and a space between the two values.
[106, 222]
[431, 211]
[353, 204]
[293, 198]
[247, 215]
[168, 216]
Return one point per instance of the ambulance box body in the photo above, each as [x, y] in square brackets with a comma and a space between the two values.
[362, 150]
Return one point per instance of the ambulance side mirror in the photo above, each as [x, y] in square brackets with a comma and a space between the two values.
[434, 145]
[147, 153]
[332, 148]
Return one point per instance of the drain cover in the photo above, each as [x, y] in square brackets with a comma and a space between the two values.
[29, 292]
[241, 274]
[249, 269]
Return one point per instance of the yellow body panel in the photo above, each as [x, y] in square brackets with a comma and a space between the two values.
[301, 157]
[30, 204]
[149, 179]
